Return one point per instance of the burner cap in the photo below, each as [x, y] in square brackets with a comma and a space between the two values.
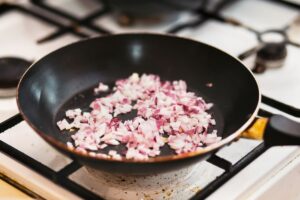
[272, 36]
[273, 45]
[12, 69]
[273, 50]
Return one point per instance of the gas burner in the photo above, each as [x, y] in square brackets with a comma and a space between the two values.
[156, 186]
[272, 52]
[179, 184]
[155, 181]
[12, 68]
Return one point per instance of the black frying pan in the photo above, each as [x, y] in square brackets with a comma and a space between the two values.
[64, 79]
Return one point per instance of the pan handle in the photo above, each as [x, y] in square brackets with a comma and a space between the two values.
[277, 130]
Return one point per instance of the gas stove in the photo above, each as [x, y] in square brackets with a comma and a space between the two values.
[246, 169]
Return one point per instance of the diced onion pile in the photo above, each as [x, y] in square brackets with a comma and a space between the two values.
[166, 114]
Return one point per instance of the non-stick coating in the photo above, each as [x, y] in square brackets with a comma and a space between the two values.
[48, 86]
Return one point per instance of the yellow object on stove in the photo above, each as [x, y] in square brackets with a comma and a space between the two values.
[257, 130]
[9, 192]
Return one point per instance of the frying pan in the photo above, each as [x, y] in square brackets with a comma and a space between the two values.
[64, 79]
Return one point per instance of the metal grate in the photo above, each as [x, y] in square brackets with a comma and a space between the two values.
[61, 177]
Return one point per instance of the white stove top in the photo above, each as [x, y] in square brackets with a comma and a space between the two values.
[224, 38]
[261, 15]
[19, 33]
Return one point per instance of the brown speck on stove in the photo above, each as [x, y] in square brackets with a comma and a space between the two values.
[169, 193]
[147, 197]
[195, 189]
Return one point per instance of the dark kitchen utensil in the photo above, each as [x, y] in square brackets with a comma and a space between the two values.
[63, 79]
[150, 12]
[11, 70]
[147, 8]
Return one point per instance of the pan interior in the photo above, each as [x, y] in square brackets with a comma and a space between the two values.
[64, 78]
[83, 99]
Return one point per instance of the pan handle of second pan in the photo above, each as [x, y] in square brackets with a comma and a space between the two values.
[276, 130]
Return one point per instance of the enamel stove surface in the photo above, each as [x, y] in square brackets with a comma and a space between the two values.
[32, 163]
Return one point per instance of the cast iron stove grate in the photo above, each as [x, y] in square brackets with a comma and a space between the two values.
[61, 177]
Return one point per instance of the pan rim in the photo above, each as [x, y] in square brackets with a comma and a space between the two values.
[63, 147]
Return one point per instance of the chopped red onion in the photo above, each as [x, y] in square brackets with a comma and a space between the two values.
[166, 114]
